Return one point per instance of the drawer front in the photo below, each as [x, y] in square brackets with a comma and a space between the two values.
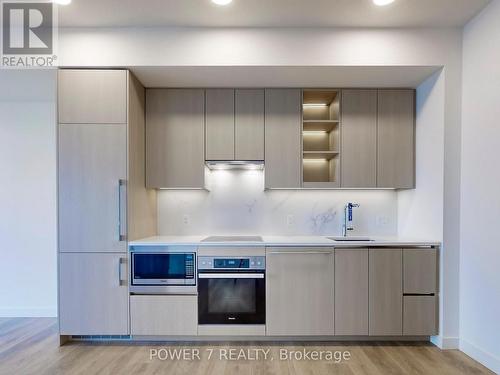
[420, 316]
[164, 315]
[420, 271]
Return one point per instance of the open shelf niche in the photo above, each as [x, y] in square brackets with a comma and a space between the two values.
[321, 138]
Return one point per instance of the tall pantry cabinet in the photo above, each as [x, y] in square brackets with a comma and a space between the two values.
[102, 201]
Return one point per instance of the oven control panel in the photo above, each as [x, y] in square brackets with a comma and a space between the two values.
[231, 263]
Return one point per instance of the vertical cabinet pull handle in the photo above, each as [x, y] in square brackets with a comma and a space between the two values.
[120, 279]
[122, 234]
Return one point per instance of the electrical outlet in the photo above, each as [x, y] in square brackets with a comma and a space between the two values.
[185, 219]
[290, 220]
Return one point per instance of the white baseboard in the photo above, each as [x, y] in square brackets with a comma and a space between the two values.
[482, 356]
[445, 343]
[29, 312]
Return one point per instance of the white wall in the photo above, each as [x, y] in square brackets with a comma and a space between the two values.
[238, 204]
[480, 198]
[28, 264]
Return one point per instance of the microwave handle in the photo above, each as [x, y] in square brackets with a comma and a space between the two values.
[121, 262]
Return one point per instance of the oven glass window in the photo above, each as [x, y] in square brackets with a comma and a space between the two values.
[161, 266]
[232, 296]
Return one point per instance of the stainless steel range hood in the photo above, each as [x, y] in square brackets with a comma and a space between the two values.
[235, 164]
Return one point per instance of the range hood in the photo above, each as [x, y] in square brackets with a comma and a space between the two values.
[235, 164]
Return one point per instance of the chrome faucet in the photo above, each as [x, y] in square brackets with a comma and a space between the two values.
[348, 223]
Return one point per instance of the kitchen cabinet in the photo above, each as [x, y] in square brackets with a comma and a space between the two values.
[220, 134]
[92, 174]
[420, 315]
[396, 139]
[385, 292]
[93, 294]
[234, 124]
[351, 292]
[175, 152]
[359, 139]
[283, 138]
[102, 200]
[249, 124]
[299, 291]
[92, 96]
[420, 271]
[164, 315]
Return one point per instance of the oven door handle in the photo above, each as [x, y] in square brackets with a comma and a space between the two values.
[231, 276]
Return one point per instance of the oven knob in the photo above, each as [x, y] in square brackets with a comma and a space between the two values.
[253, 263]
[259, 263]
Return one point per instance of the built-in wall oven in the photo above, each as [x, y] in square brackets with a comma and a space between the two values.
[162, 270]
[231, 290]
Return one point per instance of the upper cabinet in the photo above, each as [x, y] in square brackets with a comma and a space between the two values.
[219, 124]
[234, 124]
[175, 134]
[92, 96]
[359, 138]
[283, 138]
[396, 139]
[249, 125]
[311, 138]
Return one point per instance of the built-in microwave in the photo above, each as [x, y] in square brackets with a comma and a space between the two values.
[162, 271]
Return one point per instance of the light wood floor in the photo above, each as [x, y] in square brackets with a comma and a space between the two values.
[31, 346]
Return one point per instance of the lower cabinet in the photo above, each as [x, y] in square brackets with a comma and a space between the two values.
[351, 292]
[420, 315]
[93, 294]
[299, 292]
[164, 315]
[385, 292]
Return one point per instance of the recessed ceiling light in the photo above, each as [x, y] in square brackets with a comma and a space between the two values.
[382, 3]
[62, 2]
[221, 2]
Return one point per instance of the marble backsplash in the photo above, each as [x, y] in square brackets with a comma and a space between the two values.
[236, 203]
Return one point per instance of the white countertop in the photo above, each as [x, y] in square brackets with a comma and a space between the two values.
[282, 241]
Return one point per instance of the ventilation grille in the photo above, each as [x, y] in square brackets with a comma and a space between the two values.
[101, 337]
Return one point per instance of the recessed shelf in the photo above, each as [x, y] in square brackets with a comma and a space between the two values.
[321, 138]
[326, 155]
[319, 125]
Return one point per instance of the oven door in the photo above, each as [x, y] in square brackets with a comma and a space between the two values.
[231, 297]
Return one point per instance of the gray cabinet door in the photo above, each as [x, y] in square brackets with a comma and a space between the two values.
[283, 138]
[92, 203]
[164, 315]
[420, 316]
[92, 96]
[359, 138]
[396, 139]
[386, 292]
[219, 124]
[351, 292]
[249, 125]
[175, 133]
[93, 294]
[420, 271]
[299, 292]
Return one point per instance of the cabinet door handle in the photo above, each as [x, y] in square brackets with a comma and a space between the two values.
[122, 225]
[121, 261]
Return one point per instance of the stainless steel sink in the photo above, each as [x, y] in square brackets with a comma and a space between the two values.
[232, 239]
[349, 239]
